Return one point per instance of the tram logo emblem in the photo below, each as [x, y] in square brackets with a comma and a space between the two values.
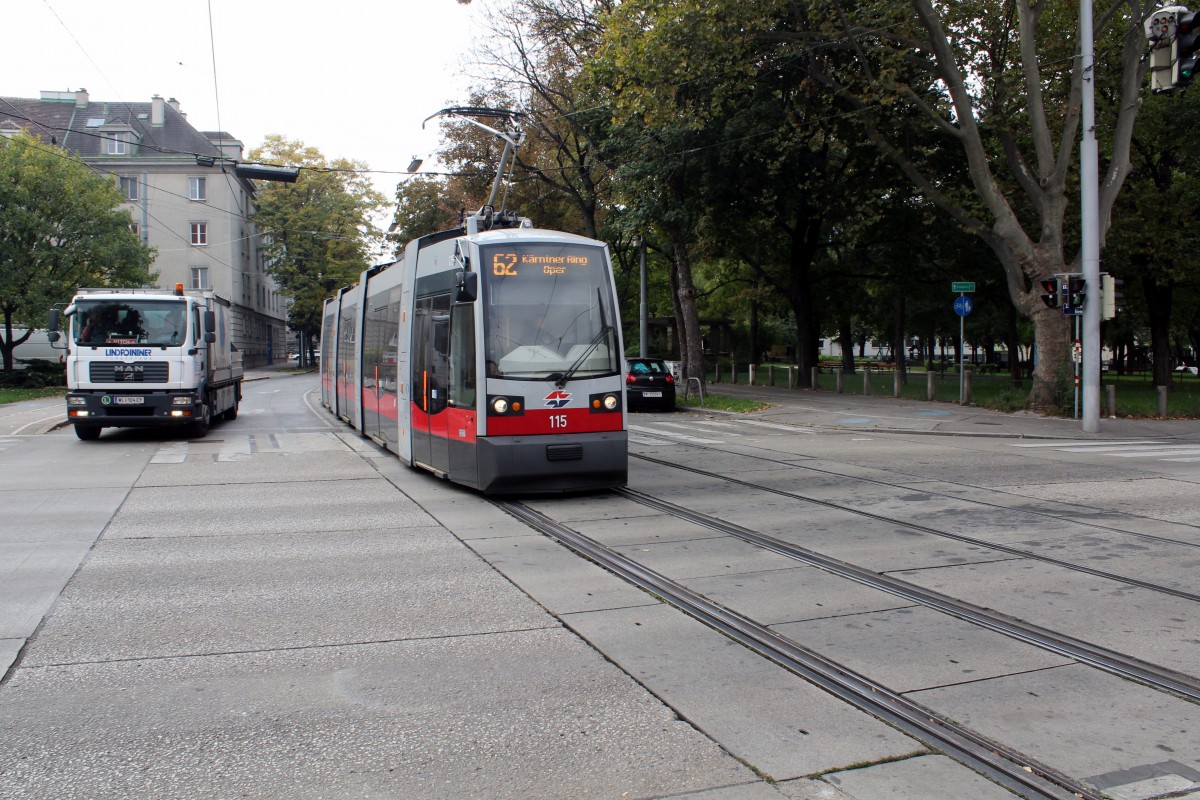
[557, 399]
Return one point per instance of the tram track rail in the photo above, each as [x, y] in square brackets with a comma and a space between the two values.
[1102, 658]
[1008, 767]
[939, 532]
[793, 464]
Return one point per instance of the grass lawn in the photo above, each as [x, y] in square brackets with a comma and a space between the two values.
[12, 395]
[1135, 394]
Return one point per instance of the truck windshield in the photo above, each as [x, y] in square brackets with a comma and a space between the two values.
[145, 322]
[548, 312]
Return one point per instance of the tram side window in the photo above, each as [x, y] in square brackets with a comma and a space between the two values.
[462, 356]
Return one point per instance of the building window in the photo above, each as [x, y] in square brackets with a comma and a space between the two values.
[129, 187]
[200, 278]
[197, 189]
[199, 233]
[117, 144]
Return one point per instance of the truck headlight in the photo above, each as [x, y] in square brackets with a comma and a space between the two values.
[182, 401]
[76, 401]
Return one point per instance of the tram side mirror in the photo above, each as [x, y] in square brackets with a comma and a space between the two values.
[468, 286]
[210, 327]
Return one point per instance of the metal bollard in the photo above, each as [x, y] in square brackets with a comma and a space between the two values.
[733, 369]
[753, 375]
[967, 387]
[791, 377]
[866, 381]
[770, 375]
[840, 387]
[930, 388]
[816, 377]
[1162, 401]
[896, 384]
[717, 376]
[1110, 397]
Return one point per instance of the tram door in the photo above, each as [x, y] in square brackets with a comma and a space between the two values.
[430, 382]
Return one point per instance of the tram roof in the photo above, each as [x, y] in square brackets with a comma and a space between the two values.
[531, 234]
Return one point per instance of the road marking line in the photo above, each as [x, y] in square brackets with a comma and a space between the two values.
[679, 436]
[1152, 447]
[647, 440]
[772, 425]
[1078, 444]
[688, 427]
[1154, 453]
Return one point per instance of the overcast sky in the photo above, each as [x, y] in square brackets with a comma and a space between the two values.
[353, 78]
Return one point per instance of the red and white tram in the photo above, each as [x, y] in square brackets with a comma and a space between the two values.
[492, 358]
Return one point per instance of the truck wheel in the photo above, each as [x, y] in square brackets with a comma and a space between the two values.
[199, 428]
[88, 433]
[231, 413]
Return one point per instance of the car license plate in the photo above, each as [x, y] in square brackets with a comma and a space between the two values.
[651, 394]
[129, 401]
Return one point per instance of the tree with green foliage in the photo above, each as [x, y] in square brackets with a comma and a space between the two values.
[1152, 246]
[998, 84]
[1003, 84]
[422, 208]
[61, 227]
[317, 233]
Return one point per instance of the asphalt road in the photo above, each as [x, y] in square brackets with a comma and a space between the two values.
[281, 609]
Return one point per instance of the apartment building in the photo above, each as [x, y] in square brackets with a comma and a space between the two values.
[183, 197]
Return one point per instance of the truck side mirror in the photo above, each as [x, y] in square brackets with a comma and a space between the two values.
[210, 327]
[52, 324]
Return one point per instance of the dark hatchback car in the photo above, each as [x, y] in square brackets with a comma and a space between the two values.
[649, 384]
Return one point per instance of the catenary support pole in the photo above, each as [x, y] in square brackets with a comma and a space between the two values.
[1090, 225]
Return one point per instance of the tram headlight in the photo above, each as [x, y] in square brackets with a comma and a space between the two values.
[604, 402]
[500, 405]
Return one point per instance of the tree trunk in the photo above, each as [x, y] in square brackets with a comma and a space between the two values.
[805, 240]
[8, 346]
[1051, 336]
[1013, 340]
[1159, 299]
[846, 343]
[754, 345]
[690, 346]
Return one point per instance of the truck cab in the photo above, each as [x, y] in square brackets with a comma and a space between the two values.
[148, 358]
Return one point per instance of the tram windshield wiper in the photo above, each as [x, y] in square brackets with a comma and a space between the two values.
[561, 380]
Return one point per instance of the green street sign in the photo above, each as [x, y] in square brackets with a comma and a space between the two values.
[962, 286]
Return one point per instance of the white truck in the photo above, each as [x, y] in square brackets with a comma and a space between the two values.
[141, 358]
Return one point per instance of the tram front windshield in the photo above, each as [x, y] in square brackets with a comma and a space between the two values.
[548, 312]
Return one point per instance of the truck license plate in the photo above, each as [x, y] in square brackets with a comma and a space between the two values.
[129, 401]
[651, 394]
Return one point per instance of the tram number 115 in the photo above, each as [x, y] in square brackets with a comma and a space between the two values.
[558, 421]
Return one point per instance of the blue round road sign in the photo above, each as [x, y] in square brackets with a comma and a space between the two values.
[962, 305]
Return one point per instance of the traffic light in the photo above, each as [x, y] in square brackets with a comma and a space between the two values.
[1187, 41]
[1051, 297]
[1109, 295]
[1076, 295]
[1160, 32]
